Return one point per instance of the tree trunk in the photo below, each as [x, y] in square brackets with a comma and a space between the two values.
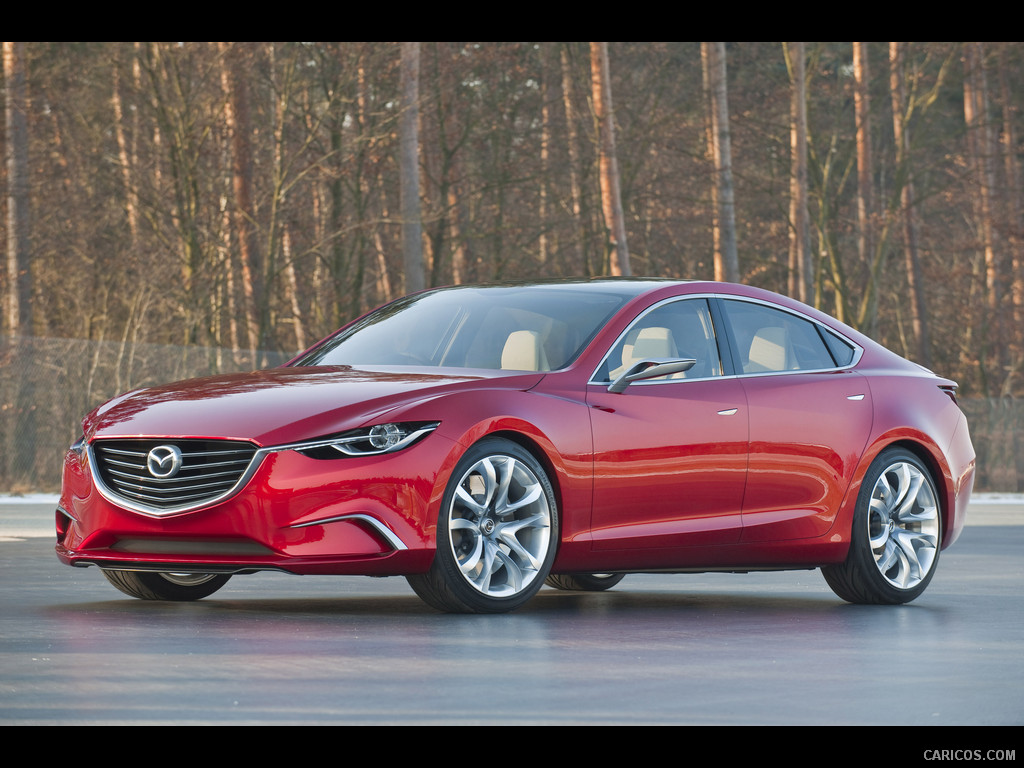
[1014, 213]
[980, 153]
[801, 271]
[243, 212]
[611, 196]
[131, 206]
[409, 168]
[865, 205]
[572, 140]
[292, 287]
[20, 444]
[726, 255]
[908, 211]
[18, 309]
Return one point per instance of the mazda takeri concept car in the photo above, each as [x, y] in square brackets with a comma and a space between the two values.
[483, 441]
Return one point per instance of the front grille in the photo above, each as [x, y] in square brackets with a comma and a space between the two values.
[165, 476]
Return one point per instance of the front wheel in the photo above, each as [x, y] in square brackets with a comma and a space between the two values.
[151, 585]
[496, 533]
[894, 547]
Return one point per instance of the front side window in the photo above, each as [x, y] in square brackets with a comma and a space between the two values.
[676, 330]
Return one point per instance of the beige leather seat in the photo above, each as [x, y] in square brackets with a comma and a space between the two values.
[523, 351]
[769, 351]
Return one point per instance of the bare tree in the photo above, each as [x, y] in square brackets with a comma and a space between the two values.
[125, 155]
[1014, 202]
[866, 245]
[726, 255]
[409, 165]
[908, 210]
[18, 309]
[801, 271]
[145, 213]
[980, 154]
[572, 142]
[611, 195]
[243, 213]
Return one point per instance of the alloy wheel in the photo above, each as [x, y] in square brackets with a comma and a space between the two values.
[499, 526]
[903, 525]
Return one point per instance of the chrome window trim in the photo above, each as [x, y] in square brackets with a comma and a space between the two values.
[858, 350]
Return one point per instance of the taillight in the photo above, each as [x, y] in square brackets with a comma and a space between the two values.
[950, 390]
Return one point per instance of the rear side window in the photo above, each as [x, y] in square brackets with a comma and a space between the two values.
[841, 351]
[772, 341]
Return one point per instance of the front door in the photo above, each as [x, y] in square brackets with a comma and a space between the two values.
[670, 454]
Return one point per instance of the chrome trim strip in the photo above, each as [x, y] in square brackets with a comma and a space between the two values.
[373, 522]
[151, 511]
[107, 565]
[858, 350]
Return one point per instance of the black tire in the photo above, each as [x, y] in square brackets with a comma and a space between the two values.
[151, 585]
[584, 582]
[894, 544]
[497, 532]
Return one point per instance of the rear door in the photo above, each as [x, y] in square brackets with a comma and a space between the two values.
[809, 419]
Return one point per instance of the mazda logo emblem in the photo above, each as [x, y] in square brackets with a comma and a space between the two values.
[164, 461]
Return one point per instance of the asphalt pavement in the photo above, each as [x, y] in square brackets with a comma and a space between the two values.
[697, 649]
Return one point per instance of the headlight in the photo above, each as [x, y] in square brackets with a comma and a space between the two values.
[78, 447]
[367, 441]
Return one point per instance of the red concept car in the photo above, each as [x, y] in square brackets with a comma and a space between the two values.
[484, 441]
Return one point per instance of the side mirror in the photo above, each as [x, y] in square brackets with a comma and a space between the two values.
[650, 369]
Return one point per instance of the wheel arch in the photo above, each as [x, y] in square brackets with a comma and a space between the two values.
[940, 479]
[933, 462]
[554, 431]
[534, 448]
[451, 580]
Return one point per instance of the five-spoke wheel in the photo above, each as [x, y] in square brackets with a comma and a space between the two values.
[496, 535]
[896, 534]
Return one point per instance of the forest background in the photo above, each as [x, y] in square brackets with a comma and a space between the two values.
[177, 209]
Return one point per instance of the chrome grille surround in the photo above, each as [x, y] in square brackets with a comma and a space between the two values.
[143, 475]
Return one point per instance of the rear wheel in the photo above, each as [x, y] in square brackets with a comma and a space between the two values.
[894, 547]
[151, 585]
[496, 534]
[585, 582]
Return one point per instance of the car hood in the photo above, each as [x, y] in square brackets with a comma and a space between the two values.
[282, 405]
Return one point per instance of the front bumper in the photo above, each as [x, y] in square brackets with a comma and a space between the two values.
[373, 516]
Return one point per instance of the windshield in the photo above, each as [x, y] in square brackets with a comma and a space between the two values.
[536, 328]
